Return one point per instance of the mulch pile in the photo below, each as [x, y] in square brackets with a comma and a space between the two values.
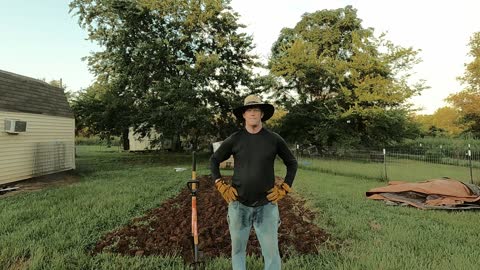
[167, 230]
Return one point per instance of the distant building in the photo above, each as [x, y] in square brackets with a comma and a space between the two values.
[37, 129]
[137, 143]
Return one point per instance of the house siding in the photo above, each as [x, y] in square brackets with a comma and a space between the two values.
[47, 146]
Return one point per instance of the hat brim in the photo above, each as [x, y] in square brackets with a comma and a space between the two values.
[267, 110]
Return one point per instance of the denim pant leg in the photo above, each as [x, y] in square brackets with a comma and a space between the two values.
[239, 223]
[266, 221]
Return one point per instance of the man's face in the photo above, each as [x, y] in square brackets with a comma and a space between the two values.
[253, 116]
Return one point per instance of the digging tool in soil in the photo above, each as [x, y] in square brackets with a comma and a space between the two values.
[192, 186]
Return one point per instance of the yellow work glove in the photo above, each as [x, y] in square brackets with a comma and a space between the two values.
[228, 192]
[278, 192]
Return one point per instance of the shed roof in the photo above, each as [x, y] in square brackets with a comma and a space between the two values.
[24, 94]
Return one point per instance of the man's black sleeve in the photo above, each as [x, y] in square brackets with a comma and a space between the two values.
[222, 153]
[288, 159]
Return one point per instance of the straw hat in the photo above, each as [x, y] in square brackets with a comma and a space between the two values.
[254, 101]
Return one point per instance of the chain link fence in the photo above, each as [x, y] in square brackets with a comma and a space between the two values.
[393, 163]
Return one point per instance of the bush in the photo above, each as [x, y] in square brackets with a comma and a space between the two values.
[446, 144]
[95, 140]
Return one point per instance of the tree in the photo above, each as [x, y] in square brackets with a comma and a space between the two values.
[58, 83]
[472, 70]
[71, 98]
[466, 103]
[343, 74]
[181, 64]
[70, 95]
[467, 100]
[446, 119]
[99, 112]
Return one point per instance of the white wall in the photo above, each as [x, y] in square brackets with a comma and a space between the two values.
[141, 144]
[48, 146]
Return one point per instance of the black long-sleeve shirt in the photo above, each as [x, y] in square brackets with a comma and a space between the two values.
[254, 156]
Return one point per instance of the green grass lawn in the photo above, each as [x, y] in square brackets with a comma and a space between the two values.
[375, 236]
[57, 227]
[396, 169]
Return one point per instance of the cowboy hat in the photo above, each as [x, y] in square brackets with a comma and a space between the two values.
[254, 101]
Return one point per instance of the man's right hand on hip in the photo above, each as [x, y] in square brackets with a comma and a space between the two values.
[228, 192]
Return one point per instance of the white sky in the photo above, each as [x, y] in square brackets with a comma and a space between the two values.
[441, 29]
[40, 39]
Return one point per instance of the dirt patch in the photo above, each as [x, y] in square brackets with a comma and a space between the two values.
[166, 230]
[41, 182]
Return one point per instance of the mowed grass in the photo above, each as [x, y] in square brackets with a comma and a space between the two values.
[372, 235]
[56, 228]
[396, 169]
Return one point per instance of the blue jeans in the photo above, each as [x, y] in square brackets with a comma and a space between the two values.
[265, 219]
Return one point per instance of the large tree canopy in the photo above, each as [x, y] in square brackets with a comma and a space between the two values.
[179, 65]
[467, 101]
[471, 78]
[352, 85]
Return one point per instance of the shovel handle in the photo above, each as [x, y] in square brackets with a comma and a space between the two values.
[194, 183]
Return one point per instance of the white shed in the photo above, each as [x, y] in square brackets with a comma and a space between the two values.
[138, 143]
[37, 129]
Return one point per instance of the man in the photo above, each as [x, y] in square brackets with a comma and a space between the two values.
[252, 197]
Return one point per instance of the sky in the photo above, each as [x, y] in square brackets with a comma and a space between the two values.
[41, 39]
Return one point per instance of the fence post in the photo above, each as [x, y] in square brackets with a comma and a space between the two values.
[441, 155]
[385, 164]
[470, 163]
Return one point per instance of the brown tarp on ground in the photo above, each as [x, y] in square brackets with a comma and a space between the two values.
[430, 194]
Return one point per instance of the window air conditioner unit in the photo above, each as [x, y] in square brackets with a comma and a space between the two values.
[15, 126]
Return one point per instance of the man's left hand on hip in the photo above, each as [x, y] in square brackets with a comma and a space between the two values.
[278, 192]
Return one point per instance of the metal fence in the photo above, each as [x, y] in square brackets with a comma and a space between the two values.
[394, 163]
[405, 164]
[50, 157]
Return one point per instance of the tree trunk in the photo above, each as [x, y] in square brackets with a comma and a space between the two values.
[125, 141]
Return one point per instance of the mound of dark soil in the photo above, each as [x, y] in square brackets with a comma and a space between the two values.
[167, 230]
